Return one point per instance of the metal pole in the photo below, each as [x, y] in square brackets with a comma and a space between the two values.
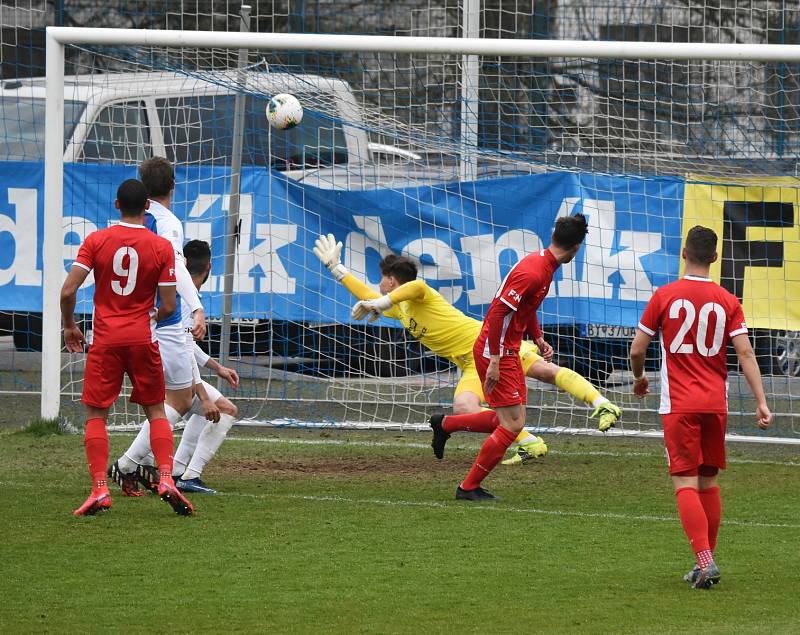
[470, 71]
[232, 234]
[53, 245]
[440, 45]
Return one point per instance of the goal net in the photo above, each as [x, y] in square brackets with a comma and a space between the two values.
[461, 162]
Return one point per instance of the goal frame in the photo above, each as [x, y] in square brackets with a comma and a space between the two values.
[57, 38]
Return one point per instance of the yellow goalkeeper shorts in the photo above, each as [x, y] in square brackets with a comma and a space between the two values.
[471, 382]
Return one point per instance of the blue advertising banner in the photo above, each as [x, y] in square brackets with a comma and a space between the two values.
[465, 235]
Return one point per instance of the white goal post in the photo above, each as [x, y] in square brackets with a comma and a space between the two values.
[57, 38]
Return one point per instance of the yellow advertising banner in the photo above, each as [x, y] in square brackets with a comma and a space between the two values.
[758, 227]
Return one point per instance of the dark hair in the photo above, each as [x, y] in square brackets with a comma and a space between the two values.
[132, 197]
[570, 231]
[402, 268]
[158, 176]
[198, 255]
[701, 245]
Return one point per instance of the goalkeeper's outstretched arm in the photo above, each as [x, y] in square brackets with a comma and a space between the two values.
[371, 304]
[328, 251]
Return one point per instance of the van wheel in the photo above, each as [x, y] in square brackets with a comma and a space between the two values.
[786, 353]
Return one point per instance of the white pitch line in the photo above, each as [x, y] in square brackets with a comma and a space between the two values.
[396, 446]
[491, 507]
[464, 506]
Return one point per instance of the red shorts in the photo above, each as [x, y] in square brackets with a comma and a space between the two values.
[511, 389]
[106, 366]
[693, 440]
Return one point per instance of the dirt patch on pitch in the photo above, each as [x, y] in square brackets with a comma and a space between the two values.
[353, 467]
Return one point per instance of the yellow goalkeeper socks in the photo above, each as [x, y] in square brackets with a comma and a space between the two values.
[578, 387]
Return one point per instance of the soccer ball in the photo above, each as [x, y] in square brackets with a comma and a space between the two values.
[284, 111]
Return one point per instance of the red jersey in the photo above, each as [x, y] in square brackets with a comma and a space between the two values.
[512, 313]
[697, 319]
[129, 263]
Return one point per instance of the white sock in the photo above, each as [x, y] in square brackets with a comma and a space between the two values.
[599, 401]
[140, 447]
[173, 416]
[194, 426]
[210, 439]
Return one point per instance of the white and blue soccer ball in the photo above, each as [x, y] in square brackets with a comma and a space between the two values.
[284, 111]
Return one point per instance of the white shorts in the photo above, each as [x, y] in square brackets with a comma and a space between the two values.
[190, 352]
[213, 394]
[177, 363]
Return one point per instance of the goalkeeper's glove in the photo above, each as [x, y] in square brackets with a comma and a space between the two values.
[327, 250]
[372, 308]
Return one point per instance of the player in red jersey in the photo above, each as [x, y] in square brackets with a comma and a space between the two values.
[511, 315]
[697, 318]
[130, 265]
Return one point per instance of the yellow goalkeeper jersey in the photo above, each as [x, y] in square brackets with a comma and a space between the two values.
[436, 323]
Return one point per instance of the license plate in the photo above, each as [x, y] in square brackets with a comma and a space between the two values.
[609, 331]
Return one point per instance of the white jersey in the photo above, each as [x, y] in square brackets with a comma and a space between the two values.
[164, 223]
[198, 353]
[168, 226]
[186, 317]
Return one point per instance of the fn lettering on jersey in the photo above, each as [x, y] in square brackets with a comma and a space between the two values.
[517, 297]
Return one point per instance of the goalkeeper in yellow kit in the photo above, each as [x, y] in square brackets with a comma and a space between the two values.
[446, 331]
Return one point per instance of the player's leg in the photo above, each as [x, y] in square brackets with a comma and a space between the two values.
[511, 420]
[713, 449]
[682, 441]
[712, 503]
[148, 391]
[529, 446]
[195, 421]
[208, 442]
[102, 380]
[569, 381]
[96, 445]
[467, 401]
[139, 449]
[163, 443]
[508, 400]
[177, 373]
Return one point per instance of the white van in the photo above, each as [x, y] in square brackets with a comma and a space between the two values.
[127, 117]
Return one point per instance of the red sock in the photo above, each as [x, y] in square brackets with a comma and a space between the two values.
[95, 440]
[163, 445]
[712, 504]
[483, 421]
[491, 452]
[693, 519]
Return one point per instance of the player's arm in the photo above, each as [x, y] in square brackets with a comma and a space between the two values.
[166, 283]
[168, 301]
[188, 292]
[171, 230]
[204, 361]
[413, 290]
[328, 251]
[638, 354]
[751, 372]
[534, 331]
[73, 338]
[210, 410]
[495, 318]
[645, 332]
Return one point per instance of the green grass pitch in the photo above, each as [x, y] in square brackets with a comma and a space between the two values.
[344, 532]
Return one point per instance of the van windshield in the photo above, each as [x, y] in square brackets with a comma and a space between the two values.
[22, 126]
[198, 129]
